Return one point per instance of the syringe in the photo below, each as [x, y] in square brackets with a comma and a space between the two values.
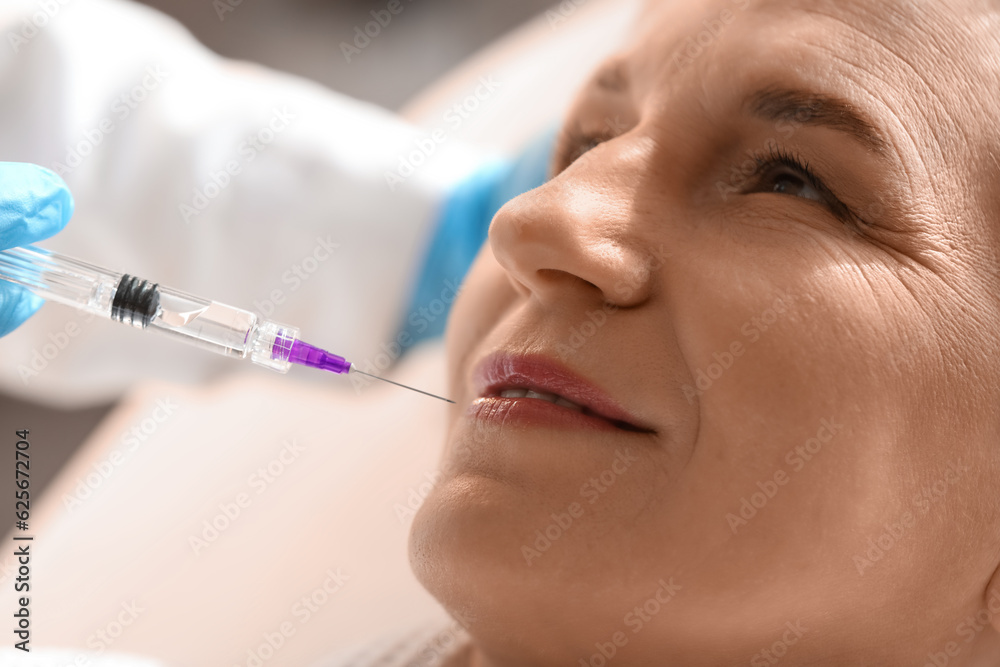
[207, 324]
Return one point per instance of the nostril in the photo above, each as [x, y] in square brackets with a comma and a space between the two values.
[554, 275]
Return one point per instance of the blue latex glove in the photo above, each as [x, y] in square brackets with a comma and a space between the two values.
[34, 205]
[462, 230]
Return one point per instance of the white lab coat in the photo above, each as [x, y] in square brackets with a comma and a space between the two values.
[219, 178]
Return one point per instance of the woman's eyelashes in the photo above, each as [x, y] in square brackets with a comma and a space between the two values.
[781, 172]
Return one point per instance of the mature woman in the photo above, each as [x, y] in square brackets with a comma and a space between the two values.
[727, 383]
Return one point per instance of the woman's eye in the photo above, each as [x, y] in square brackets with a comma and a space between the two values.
[784, 173]
[784, 180]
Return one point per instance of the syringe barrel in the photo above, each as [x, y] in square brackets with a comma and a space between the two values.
[207, 324]
[203, 323]
[223, 329]
[61, 279]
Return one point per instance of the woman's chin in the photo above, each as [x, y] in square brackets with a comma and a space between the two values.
[463, 532]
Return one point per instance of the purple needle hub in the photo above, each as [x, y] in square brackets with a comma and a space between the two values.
[304, 354]
[287, 347]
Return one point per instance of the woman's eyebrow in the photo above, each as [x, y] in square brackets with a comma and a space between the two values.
[810, 108]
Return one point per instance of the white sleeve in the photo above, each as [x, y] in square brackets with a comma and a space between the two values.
[218, 178]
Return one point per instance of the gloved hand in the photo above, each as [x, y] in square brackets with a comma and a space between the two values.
[34, 205]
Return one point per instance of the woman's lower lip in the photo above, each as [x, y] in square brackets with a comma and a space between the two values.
[536, 412]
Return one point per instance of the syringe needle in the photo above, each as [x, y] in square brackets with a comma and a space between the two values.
[425, 393]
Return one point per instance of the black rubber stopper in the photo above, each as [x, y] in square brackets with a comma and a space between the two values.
[136, 301]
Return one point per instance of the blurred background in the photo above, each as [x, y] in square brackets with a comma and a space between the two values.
[422, 42]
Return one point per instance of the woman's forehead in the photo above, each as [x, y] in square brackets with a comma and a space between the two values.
[904, 9]
[934, 34]
[926, 71]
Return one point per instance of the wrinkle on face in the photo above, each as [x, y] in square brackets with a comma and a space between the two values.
[877, 332]
[930, 152]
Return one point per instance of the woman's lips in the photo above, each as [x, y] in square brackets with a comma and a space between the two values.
[540, 391]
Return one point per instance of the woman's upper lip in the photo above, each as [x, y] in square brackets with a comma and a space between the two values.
[500, 371]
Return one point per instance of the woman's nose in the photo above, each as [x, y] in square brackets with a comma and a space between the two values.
[576, 234]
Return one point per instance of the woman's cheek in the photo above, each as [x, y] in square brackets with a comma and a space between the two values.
[485, 295]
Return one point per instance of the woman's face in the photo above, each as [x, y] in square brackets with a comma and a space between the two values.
[774, 272]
